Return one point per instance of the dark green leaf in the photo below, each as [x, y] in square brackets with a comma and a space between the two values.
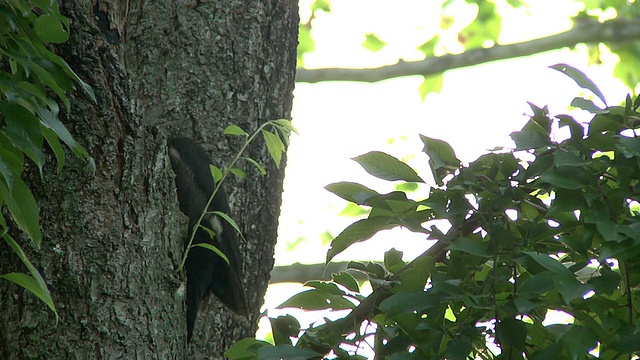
[287, 352]
[317, 300]
[23, 208]
[549, 263]
[580, 78]
[587, 105]
[347, 280]
[245, 349]
[512, 333]
[49, 29]
[352, 192]
[393, 260]
[283, 328]
[474, 246]
[39, 289]
[442, 158]
[361, 230]
[386, 167]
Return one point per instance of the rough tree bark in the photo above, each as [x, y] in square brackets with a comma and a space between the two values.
[113, 238]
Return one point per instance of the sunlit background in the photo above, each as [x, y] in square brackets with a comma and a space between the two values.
[476, 110]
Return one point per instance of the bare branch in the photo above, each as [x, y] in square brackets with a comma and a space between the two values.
[584, 31]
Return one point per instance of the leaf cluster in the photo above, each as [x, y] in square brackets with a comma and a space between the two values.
[32, 80]
[552, 225]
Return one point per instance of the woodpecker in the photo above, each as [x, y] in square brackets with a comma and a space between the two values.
[207, 272]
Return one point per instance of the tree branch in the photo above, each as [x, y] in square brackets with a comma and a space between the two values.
[584, 31]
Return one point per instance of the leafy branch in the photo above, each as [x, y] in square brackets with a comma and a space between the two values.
[588, 31]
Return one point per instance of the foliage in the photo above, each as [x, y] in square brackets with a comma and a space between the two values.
[461, 34]
[29, 75]
[551, 225]
[276, 137]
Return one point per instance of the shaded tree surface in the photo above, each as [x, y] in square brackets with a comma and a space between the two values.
[114, 237]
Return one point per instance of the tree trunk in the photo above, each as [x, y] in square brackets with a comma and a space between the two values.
[113, 238]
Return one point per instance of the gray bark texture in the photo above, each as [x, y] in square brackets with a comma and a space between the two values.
[114, 237]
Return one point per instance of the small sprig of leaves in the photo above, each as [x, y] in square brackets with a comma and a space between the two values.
[276, 135]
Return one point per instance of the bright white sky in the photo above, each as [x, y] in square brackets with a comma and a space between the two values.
[476, 110]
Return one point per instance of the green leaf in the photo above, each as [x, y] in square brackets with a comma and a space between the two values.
[473, 246]
[287, 352]
[569, 287]
[549, 263]
[373, 43]
[459, 348]
[360, 230]
[238, 172]
[216, 173]
[23, 129]
[10, 167]
[353, 192]
[386, 167]
[306, 44]
[526, 140]
[431, 84]
[428, 48]
[442, 158]
[587, 105]
[212, 248]
[566, 181]
[321, 5]
[274, 146]
[261, 169]
[54, 144]
[317, 300]
[512, 334]
[234, 130]
[51, 122]
[285, 124]
[347, 280]
[565, 158]
[580, 78]
[245, 349]
[228, 219]
[40, 288]
[49, 29]
[283, 328]
[23, 208]
[393, 260]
